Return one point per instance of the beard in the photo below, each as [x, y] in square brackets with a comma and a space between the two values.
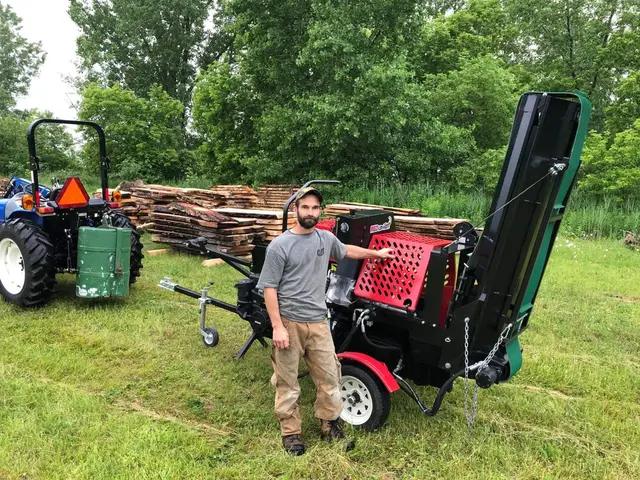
[307, 222]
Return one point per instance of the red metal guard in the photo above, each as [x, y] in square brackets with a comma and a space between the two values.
[400, 282]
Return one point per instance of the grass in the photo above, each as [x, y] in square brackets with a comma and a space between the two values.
[126, 389]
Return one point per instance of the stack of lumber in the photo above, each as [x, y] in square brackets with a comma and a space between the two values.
[344, 208]
[236, 196]
[175, 223]
[407, 220]
[4, 186]
[275, 196]
[136, 208]
[632, 240]
[430, 227]
[269, 220]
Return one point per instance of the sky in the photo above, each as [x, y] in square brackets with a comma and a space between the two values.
[47, 21]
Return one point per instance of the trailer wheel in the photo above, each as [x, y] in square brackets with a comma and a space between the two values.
[210, 337]
[122, 221]
[27, 269]
[366, 402]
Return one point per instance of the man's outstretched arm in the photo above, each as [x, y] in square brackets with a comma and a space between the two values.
[359, 253]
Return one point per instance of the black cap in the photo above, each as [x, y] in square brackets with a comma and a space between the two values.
[306, 191]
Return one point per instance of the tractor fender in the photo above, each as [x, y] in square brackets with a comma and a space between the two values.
[378, 368]
[11, 208]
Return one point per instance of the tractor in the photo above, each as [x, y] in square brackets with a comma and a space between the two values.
[46, 231]
[441, 310]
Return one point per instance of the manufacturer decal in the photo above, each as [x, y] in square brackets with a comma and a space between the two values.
[382, 227]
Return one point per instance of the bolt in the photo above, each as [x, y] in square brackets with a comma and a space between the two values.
[423, 322]
[447, 365]
[434, 325]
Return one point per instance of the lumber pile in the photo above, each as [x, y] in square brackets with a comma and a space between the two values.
[236, 196]
[632, 240]
[175, 223]
[430, 227]
[269, 220]
[274, 197]
[4, 186]
[343, 208]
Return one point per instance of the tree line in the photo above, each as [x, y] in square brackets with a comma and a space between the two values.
[246, 91]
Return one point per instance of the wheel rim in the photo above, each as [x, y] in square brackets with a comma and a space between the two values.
[358, 405]
[12, 271]
[208, 338]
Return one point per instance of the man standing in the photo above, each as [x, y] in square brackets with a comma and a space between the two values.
[294, 279]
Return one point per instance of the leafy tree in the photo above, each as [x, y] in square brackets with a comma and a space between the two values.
[578, 44]
[481, 96]
[323, 89]
[625, 109]
[53, 142]
[19, 59]
[613, 170]
[144, 136]
[139, 43]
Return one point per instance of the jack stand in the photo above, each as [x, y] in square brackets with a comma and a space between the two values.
[248, 344]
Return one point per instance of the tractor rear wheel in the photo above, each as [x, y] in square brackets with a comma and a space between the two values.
[122, 221]
[366, 401]
[27, 267]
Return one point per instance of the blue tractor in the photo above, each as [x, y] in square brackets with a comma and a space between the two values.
[46, 231]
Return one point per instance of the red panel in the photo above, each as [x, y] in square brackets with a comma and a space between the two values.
[327, 224]
[378, 368]
[399, 282]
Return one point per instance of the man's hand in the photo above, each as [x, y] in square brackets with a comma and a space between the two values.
[280, 337]
[385, 253]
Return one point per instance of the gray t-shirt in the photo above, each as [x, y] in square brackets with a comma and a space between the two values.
[296, 266]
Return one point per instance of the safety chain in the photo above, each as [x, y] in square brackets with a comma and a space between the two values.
[471, 416]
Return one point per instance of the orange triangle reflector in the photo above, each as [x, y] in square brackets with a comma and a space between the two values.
[72, 195]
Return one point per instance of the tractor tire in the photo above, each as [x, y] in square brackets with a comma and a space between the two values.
[27, 263]
[122, 221]
[366, 401]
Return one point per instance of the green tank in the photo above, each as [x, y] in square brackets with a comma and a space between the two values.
[103, 262]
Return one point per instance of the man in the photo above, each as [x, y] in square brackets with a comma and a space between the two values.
[293, 279]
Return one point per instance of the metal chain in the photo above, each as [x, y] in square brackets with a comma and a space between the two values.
[471, 417]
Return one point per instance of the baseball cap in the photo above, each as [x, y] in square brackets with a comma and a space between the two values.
[307, 190]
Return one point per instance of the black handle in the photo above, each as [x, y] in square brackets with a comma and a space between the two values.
[285, 212]
[34, 161]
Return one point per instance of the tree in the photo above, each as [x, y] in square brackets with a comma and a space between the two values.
[625, 109]
[481, 96]
[144, 135]
[578, 44]
[19, 59]
[323, 89]
[612, 170]
[139, 43]
[54, 145]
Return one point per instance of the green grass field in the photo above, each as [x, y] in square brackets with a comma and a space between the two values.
[126, 389]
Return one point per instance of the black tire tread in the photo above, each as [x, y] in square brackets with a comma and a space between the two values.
[38, 255]
[122, 221]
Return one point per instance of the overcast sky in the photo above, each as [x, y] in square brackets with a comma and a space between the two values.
[47, 21]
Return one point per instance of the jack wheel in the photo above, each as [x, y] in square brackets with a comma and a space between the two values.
[366, 401]
[210, 337]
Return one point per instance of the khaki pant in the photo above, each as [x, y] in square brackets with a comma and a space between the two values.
[313, 342]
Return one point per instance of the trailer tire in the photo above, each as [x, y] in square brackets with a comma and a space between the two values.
[122, 221]
[27, 265]
[210, 338]
[366, 401]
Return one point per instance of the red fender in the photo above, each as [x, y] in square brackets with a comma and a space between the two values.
[378, 368]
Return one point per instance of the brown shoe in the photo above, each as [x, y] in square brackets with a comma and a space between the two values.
[331, 430]
[294, 444]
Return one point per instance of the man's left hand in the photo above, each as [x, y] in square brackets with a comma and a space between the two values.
[385, 254]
